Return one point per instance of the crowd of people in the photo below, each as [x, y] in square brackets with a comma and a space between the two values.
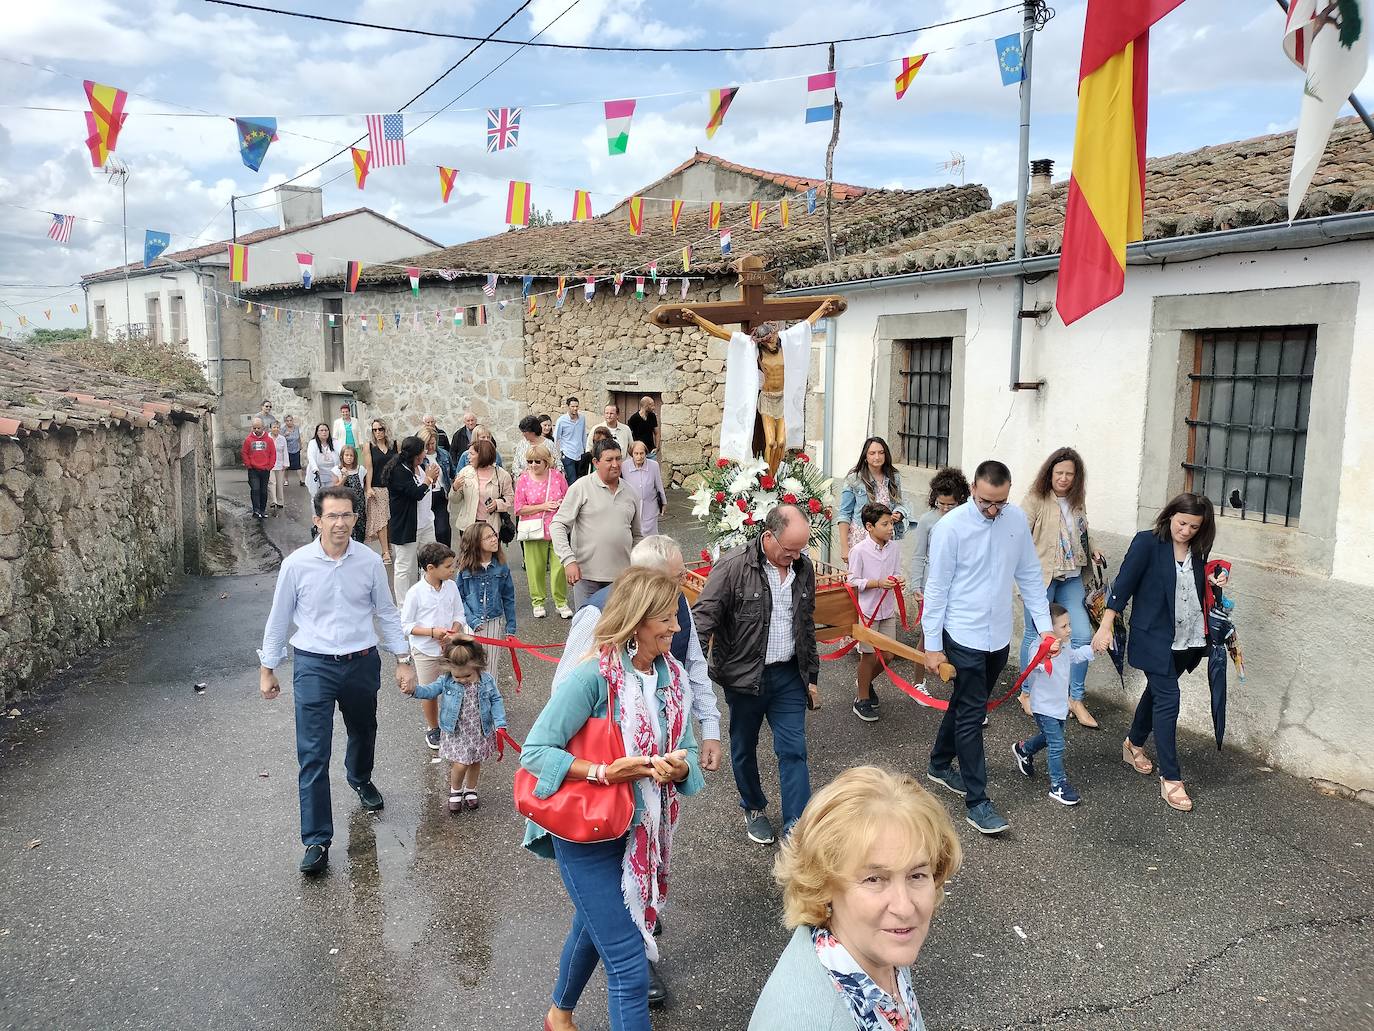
[633, 723]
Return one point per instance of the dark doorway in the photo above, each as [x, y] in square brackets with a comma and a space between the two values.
[629, 404]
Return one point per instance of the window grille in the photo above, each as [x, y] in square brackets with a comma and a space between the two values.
[333, 334]
[925, 403]
[1247, 428]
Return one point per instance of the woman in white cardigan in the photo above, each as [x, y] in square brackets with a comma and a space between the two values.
[862, 873]
[322, 461]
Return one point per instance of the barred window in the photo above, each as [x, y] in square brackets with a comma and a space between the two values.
[333, 334]
[927, 374]
[1247, 431]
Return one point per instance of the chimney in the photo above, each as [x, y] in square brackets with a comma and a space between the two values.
[1042, 171]
[299, 205]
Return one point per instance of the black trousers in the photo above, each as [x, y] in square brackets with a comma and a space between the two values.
[961, 731]
[257, 489]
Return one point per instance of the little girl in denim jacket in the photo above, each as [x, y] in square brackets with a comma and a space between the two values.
[471, 711]
[488, 591]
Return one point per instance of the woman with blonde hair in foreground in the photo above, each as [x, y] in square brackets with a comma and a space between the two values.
[862, 873]
[618, 887]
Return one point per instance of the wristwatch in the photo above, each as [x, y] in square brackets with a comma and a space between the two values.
[404, 660]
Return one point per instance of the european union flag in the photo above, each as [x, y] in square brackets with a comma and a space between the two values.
[255, 136]
[154, 243]
[1009, 59]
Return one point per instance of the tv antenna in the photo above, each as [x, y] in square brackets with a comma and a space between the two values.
[117, 171]
[956, 163]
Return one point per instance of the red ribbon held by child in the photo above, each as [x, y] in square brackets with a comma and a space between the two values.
[502, 740]
[514, 645]
[1042, 656]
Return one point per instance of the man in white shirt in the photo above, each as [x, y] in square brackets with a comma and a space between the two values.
[331, 589]
[348, 430]
[611, 421]
[662, 553]
[975, 553]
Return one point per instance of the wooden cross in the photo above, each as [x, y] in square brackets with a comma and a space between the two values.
[752, 308]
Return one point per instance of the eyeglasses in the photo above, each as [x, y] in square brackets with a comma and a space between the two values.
[378, 429]
[988, 506]
[946, 506]
[339, 517]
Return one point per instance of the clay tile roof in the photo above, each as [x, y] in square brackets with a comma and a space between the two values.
[603, 245]
[40, 391]
[1226, 186]
[792, 183]
[220, 247]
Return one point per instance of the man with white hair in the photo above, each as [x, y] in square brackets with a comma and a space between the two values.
[462, 440]
[657, 552]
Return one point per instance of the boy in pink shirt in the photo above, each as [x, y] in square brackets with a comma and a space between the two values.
[873, 566]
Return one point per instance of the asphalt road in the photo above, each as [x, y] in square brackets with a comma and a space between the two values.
[149, 841]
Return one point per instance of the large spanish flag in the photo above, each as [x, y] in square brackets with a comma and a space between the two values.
[238, 263]
[1107, 189]
[518, 204]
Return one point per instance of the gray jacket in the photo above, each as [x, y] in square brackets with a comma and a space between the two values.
[800, 994]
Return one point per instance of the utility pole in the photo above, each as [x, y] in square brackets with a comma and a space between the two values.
[116, 169]
[830, 162]
[1018, 295]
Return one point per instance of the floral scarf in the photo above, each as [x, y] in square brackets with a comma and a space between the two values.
[644, 873]
[872, 1008]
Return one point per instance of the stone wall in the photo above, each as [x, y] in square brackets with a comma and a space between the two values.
[92, 526]
[593, 350]
[399, 373]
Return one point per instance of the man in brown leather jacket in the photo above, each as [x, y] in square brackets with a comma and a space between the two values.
[757, 611]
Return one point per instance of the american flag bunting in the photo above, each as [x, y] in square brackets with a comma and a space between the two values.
[386, 138]
[61, 227]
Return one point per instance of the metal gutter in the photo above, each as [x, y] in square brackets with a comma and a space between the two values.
[1312, 232]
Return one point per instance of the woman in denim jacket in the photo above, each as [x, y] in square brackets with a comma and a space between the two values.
[486, 586]
[471, 711]
[872, 481]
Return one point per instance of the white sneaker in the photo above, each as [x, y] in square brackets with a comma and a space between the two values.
[539, 612]
[565, 612]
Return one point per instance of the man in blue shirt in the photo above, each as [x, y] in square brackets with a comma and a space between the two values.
[570, 437]
[975, 553]
[331, 589]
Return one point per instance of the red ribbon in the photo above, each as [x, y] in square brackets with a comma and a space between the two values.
[868, 621]
[1042, 656]
[502, 740]
[514, 645]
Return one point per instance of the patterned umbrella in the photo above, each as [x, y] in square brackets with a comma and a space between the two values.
[1099, 589]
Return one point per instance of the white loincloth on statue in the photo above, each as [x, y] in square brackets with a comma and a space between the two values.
[742, 381]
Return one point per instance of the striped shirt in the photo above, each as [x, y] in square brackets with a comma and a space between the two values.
[781, 643]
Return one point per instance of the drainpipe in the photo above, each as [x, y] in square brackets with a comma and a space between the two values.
[1018, 293]
[828, 431]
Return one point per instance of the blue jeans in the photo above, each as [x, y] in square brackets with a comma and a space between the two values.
[1051, 738]
[782, 701]
[318, 684]
[960, 735]
[569, 470]
[601, 929]
[1070, 594]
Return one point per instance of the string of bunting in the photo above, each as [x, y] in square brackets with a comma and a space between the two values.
[386, 133]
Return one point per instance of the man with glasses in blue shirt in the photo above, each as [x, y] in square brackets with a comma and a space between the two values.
[975, 553]
[331, 589]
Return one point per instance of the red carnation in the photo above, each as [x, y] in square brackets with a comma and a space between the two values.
[749, 520]
[767, 482]
[743, 504]
[722, 463]
[790, 499]
[813, 506]
[803, 457]
[705, 555]
[720, 497]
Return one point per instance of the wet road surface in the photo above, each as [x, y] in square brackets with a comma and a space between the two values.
[149, 841]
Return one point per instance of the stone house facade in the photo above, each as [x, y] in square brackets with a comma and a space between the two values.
[107, 493]
[1229, 366]
[601, 350]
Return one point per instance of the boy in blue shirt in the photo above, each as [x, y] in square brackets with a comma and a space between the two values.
[1049, 700]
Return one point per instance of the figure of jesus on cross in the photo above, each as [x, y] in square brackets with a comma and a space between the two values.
[766, 368]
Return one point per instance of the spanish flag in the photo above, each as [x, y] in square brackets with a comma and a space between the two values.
[361, 161]
[238, 263]
[636, 215]
[1107, 189]
[582, 205]
[355, 269]
[518, 204]
[104, 120]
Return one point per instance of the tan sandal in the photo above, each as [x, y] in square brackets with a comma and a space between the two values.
[1173, 793]
[1136, 758]
[1080, 712]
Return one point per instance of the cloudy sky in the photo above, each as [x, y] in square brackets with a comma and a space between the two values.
[1217, 73]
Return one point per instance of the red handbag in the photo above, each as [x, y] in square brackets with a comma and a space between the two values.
[581, 810]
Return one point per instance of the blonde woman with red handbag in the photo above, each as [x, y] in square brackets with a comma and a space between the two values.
[626, 707]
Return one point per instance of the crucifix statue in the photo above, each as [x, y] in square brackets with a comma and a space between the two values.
[766, 367]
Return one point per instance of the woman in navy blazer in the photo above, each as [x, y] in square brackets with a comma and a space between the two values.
[1163, 573]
